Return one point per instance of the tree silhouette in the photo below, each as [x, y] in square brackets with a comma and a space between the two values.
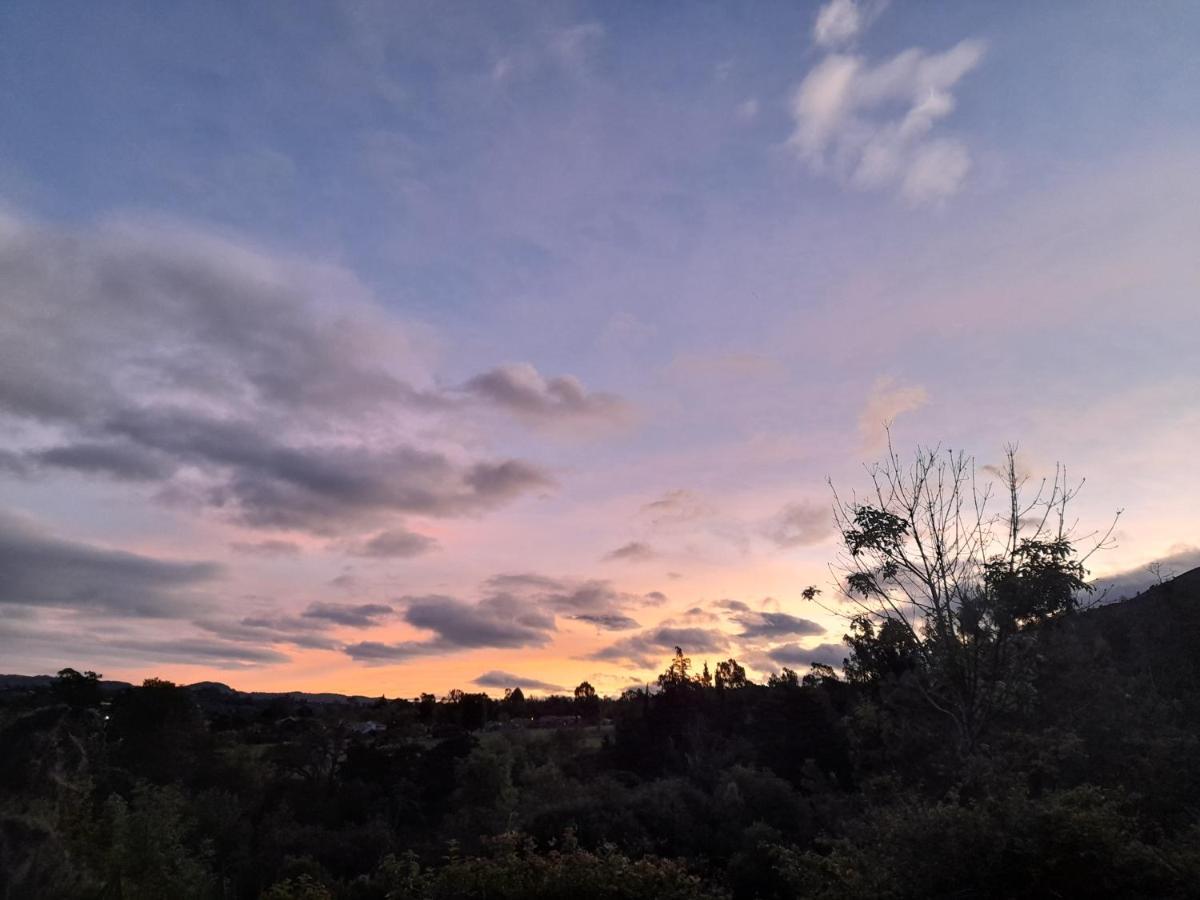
[730, 675]
[678, 673]
[945, 581]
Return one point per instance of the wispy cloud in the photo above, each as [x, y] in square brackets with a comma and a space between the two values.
[872, 125]
[395, 543]
[799, 524]
[841, 21]
[886, 401]
[634, 551]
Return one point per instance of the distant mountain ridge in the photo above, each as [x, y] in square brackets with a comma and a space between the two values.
[209, 689]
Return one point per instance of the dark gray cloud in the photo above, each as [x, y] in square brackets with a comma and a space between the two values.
[267, 630]
[95, 649]
[595, 601]
[496, 621]
[498, 679]
[518, 610]
[775, 625]
[40, 570]
[676, 507]
[1133, 581]
[120, 460]
[16, 464]
[500, 621]
[268, 548]
[275, 390]
[732, 605]
[199, 651]
[800, 524]
[521, 389]
[653, 646]
[634, 551]
[380, 653]
[608, 621]
[524, 581]
[397, 543]
[654, 598]
[319, 488]
[360, 615]
[598, 602]
[823, 654]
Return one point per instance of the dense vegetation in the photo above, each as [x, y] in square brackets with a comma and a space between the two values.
[1084, 783]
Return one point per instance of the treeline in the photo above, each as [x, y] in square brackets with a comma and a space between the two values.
[808, 786]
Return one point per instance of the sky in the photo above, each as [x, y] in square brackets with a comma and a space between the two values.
[396, 347]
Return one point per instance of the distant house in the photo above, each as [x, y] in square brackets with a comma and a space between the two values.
[368, 727]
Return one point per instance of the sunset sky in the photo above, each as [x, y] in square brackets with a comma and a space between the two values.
[398, 347]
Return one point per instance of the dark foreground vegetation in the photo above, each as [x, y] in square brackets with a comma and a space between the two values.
[988, 737]
[814, 786]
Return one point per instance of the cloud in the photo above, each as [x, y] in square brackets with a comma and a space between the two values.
[497, 621]
[886, 401]
[119, 460]
[39, 570]
[520, 389]
[608, 621]
[500, 621]
[53, 646]
[649, 648]
[799, 524]
[498, 679]
[198, 651]
[317, 488]
[524, 581]
[273, 390]
[573, 46]
[841, 21]
[795, 655]
[593, 597]
[634, 551]
[775, 625]
[397, 543]
[362, 615]
[595, 601]
[269, 629]
[346, 580]
[676, 507]
[871, 126]
[268, 548]
[734, 605]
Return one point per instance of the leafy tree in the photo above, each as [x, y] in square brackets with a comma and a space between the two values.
[678, 674]
[585, 692]
[730, 675]
[944, 579]
[77, 688]
[586, 700]
[514, 702]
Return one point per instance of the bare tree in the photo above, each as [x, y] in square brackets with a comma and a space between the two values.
[950, 570]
